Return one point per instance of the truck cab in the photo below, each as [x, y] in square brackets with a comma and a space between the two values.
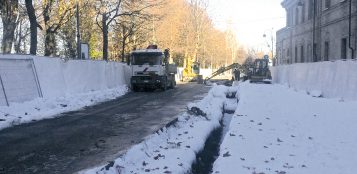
[151, 70]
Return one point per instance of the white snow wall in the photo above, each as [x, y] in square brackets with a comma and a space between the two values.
[336, 79]
[58, 77]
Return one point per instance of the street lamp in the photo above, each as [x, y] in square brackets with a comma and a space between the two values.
[79, 51]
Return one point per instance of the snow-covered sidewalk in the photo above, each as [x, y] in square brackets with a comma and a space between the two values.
[42, 108]
[278, 130]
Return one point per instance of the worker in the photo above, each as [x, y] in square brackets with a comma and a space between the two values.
[236, 73]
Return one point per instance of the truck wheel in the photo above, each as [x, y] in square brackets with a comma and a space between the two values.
[173, 84]
[134, 88]
[164, 87]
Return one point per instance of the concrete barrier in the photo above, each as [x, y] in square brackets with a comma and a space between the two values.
[336, 79]
[28, 77]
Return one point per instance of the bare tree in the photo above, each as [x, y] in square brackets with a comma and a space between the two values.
[199, 14]
[55, 13]
[107, 15]
[109, 11]
[9, 15]
[22, 30]
[68, 35]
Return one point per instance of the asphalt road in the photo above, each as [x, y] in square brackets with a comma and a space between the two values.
[97, 134]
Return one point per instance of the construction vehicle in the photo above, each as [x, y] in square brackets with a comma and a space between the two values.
[224, 69]
[256, 72]
[260, 72]
[191, 71]
[151, 69]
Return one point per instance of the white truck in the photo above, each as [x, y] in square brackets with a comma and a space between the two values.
[151, 69]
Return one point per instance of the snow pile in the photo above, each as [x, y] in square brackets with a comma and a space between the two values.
[276, 130]
[42, 108]
[333, 79]
[173, 149]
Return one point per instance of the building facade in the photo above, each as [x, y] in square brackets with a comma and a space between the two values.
[317, 30]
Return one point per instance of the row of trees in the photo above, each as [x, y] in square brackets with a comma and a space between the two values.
[113, 28]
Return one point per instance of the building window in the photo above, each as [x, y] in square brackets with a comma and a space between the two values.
[296, 54]
[287, 52]
[302, 58]
[309, 50]
[327, 3]
[326, 51]
[291, 17]
[344, 48]
[296, 16]
[311, 9]
[314, 53]
[303, 13]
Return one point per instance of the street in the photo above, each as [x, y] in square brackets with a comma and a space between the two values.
[89, 137]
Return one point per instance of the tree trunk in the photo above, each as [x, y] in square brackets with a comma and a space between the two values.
[8, 36]
[123, 49]
[19, 40]
[105, 36]
[33, 26]
[123, 44]
[9, 13]
[50, 43]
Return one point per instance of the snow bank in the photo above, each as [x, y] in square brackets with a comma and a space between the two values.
[172, 149]
[333, 79]
[279, 130]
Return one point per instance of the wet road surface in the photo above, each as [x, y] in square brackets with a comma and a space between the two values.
[97, 134]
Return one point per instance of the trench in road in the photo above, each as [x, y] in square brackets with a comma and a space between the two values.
[207, 156]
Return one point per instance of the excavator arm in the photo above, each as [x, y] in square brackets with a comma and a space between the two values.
[224, 69]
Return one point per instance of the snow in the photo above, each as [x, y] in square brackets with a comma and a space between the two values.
[334, 79]
[172, 149]
[278, 130]
[316, 93]
[45, 108]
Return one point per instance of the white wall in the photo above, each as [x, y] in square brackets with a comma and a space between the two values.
[18, 80]
[334, 79]
[58, 77]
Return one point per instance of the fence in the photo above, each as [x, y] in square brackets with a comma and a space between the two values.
[18, 80]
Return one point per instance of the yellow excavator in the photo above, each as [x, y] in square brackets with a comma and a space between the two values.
[191, 71]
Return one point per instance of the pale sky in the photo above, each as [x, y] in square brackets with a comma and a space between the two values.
[250, 19]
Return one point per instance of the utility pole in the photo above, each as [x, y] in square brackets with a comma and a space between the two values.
[79, 51]
[272, 42]
[272, 45]
[350, 31]
[314, 49]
